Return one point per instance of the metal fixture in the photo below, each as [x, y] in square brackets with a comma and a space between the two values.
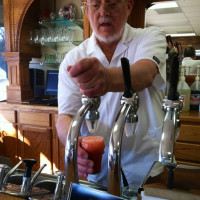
[90, 106]
[59, 190]
[172, 106]
[26, 184]
[3, 171]
[5, 180]
[37, 174]
[128, 112]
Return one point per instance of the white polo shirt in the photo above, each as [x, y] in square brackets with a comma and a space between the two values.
[140, 150]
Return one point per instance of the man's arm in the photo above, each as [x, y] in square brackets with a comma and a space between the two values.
[143, 73]
[62, 126]
[95, 80]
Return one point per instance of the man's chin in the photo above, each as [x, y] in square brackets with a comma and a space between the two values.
[108, 38]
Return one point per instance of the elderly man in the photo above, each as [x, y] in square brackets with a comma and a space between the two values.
[189, 61]
[94, 69]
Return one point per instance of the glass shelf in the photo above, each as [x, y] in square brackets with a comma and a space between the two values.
[62, 23]
[52, 65]
[54, 45]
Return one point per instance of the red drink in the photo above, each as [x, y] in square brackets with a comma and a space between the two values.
[94, 145]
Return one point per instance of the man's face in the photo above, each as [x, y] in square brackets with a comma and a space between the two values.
[108, 17]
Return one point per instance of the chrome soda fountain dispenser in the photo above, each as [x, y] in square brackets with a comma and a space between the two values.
[127, 116]
[89, 112]
[167, 179]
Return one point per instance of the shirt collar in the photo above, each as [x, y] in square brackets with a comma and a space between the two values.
[126, 37]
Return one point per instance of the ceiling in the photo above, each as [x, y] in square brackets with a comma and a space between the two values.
[182, 19]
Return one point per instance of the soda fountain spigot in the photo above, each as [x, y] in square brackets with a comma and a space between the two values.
[90, 106]
[92, 114]
[172, 106]
[26, 184]
[127, 113]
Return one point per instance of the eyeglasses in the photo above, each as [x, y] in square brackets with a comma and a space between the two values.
[112, 8]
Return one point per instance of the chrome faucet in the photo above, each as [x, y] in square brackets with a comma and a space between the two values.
[27, 183]
[59, 193]
[172, 107]
[5, 180]
[3, 171]
[170, 131]
[89, 111]
[36, 175]
[127, 114]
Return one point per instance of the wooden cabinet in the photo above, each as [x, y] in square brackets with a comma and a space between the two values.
[35, 137]
[8, 134]
[187, 146]
[29, 132]
[61, 151]
[36, 143]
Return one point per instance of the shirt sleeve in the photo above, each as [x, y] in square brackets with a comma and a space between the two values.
[69, 96]
[152, 45]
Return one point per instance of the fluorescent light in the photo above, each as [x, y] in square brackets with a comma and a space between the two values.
[164, 5]
[182, 34]
[197, 52]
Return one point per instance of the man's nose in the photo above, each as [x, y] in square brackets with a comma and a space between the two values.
[104, 9]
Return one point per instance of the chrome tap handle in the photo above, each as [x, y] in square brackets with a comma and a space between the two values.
[3, 171]
[37, 174]
[5, 180]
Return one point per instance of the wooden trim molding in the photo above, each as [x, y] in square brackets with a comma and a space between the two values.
[14, 13]
[18, 75]
[18, 63]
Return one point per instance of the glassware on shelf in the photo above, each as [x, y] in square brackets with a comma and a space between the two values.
[60, 13]
[36, 37]
[31, 37]
[52, 16]
[43, 34]
[69, 11]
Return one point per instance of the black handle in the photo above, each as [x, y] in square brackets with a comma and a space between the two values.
[29, 164]
[172, 93]
[128, 93]
[170, 179]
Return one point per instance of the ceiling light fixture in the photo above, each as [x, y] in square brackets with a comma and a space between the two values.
[182, 34]
[164, 5]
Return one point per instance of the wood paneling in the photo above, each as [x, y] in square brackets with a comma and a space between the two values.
[187, 146]
[36, 143]
[8, 116]
[34, 118]
[187, 152]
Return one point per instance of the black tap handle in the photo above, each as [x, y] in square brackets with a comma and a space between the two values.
[127, 78]
[172, 93]
[29, 164]
[170, 179]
